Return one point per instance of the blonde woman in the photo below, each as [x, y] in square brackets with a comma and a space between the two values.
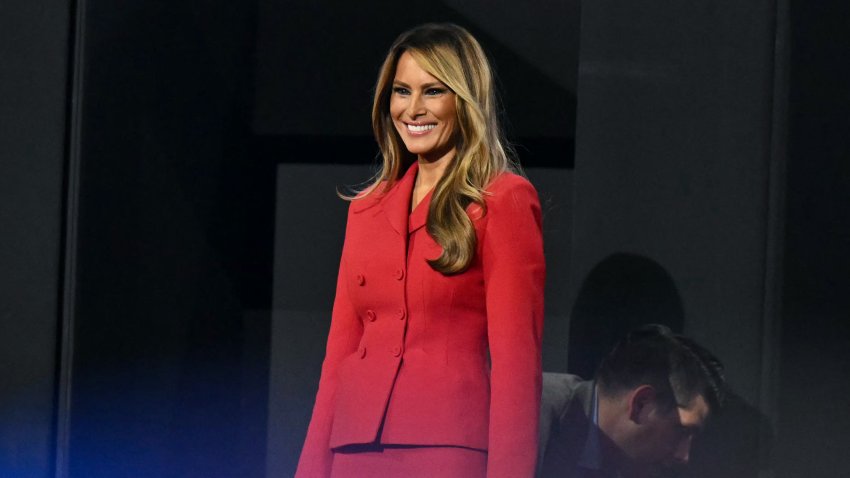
[432, 366]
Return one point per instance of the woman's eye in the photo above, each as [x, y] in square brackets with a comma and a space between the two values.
[401, 91]
[434, 91]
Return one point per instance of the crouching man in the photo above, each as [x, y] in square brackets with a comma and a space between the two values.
[652, 394]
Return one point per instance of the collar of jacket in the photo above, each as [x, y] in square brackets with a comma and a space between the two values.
[395, 204]
[597, 449]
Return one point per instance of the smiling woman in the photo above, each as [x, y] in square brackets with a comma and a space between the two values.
[442, 268]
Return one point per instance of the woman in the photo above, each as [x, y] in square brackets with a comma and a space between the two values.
[442, 263]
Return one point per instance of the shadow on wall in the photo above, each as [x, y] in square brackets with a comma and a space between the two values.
[620, 293]
[625, 291]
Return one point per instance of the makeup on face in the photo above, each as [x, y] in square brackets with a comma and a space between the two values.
[423, 110]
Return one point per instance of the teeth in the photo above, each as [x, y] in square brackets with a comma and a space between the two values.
[419, 129]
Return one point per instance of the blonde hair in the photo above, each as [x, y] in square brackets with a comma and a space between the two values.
[452, 55]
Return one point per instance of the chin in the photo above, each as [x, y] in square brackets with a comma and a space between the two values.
[419, 150]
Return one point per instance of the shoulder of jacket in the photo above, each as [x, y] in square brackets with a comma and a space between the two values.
[509, 190]
[561, 383]
[508, 180]
[509, 183]
[559, 392]
[368, 198]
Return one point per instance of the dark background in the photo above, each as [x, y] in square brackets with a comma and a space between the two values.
[169, 229]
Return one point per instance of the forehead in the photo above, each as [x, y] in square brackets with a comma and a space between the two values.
[408, 70]
[695, 413]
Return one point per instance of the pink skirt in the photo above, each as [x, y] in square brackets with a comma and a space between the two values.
[408, 461]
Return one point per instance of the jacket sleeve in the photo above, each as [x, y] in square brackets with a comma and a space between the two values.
[514, 276]
[344, 336]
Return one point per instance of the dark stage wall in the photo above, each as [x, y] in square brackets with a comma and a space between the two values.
[169, 238]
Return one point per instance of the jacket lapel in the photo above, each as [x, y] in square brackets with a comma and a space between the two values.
[396, 203]
[420, 213]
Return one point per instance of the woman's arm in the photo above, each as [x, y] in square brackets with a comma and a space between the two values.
[514, 276]
[344, 336]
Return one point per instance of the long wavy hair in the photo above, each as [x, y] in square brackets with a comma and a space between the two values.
[452, 55]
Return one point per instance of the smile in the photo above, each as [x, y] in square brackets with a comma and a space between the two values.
[414, 128]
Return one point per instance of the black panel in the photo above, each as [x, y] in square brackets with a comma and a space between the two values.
[816, 331]
[174, 246]
[33, 88]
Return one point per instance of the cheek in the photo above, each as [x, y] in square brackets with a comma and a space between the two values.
[671, 442]
[396, 107]
[395, 113]
[448, 110]
[452, 130]
[449, 116]
[660, 442]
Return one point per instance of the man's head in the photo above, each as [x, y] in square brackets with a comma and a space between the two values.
[656, 390]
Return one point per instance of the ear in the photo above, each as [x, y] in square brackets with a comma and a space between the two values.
[641, 402]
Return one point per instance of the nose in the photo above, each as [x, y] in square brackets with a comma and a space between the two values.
[416, 106]
[683, 451]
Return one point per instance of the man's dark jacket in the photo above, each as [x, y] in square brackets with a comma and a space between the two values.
[565, 424]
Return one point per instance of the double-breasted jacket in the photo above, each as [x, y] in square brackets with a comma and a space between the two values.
[416, 357]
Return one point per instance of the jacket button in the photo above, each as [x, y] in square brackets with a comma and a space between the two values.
[370, 315]
[399, 274]
[360, 279]
[400, 314]
[396, 351]
[361, 352]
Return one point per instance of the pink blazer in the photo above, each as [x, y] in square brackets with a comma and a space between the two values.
[409, 346]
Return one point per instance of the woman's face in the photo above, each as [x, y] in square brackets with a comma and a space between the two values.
[423, 110]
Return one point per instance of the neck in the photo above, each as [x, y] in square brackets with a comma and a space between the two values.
[432, 169]
[615, 434]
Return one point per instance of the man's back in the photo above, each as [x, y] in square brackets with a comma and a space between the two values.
[565, 409]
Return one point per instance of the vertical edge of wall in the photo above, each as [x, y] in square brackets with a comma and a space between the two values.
[68, 288]
[775, 244]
